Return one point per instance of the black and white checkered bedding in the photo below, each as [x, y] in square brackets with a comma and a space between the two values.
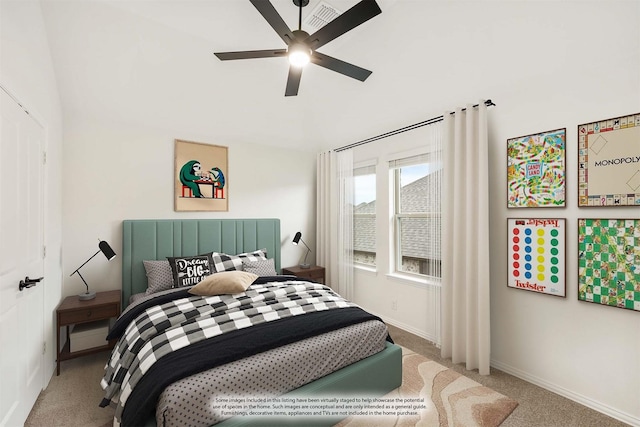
[169, 341]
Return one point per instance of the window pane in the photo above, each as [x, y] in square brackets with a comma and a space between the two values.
[365, 189]
[364, 240]
[417, 216]
[414, 189]
[420, 245]
[364, 219]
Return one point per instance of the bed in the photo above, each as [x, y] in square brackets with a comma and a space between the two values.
[374, 375]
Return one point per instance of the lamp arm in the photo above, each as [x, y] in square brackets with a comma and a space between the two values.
[306, 255]
[76, 271]
[85, 282]
[308, 251]
[305, 245]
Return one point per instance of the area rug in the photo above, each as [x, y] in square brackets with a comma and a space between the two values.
[451, 399]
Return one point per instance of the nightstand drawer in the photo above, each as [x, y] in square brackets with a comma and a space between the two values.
[89, 314]
[313, 274]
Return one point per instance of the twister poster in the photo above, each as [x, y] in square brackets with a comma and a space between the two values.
[537, 255]
[536, 170]
[201, 177]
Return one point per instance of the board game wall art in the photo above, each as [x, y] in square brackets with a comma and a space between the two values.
[609, 162]
[536, 170]
[609, 262]
[537, 255]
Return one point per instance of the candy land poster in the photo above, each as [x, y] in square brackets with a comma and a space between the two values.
[536, 170]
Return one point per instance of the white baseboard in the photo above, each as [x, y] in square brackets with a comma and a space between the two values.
[49, 372]
[576, 397]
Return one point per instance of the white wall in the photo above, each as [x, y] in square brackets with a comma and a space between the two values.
[117, 171]
[26, 71]
[546, 65]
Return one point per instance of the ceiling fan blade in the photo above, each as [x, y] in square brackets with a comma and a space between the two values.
[250, 54]
[293, 81]
[353, 17]
[274, 19]
[339, 66]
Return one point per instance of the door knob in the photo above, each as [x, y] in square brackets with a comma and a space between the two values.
[27, 283]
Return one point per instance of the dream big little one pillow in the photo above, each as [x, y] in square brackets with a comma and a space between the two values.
[190, 270]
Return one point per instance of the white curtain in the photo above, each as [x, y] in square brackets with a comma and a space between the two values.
[465, 239]
[335, 219]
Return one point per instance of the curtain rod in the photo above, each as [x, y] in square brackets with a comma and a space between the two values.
[488, 103]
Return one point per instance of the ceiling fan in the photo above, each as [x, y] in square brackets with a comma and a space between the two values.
[301, 47]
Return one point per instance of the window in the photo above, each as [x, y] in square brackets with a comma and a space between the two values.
[416, 183]
[364, 216]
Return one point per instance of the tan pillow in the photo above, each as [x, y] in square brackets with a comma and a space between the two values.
[225, 282]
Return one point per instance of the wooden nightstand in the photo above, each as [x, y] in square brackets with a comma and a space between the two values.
[72, 311]
[315, 272]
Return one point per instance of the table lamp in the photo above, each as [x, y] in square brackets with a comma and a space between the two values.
[298, 238]
[108, 253]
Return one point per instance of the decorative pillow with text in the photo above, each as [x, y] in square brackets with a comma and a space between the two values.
[190, 270]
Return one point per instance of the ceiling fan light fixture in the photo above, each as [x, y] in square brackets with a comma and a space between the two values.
[301, 45]
[299, 55]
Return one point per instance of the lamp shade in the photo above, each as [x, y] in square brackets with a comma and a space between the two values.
[106, 250]
[297, 237]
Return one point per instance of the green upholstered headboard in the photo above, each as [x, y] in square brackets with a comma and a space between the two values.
[155, 239]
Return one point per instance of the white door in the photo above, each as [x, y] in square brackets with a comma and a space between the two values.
[21, 255]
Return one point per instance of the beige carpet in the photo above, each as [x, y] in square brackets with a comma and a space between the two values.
[71, 399]
[451, 399]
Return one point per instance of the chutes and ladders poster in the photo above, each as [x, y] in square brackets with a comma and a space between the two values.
[609, 262]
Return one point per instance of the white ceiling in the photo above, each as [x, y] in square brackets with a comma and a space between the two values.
[151, 62]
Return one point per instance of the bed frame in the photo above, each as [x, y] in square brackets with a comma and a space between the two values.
[155, 239]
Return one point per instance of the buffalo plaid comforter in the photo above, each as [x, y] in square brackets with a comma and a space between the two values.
[178, 334]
